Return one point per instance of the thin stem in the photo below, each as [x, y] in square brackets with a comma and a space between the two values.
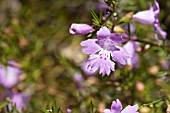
[153, 44]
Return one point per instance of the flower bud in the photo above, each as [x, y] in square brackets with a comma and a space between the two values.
[145, 17]
[80, 29]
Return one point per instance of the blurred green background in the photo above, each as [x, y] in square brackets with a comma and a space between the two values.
[35, 33]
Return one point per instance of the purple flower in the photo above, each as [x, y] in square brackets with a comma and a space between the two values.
[18, 99]
[165, 64]
[68, 110]
[116, 107]
[78, 78]
[151, 17]
[80, 29]
[9, 76]
[102, 49]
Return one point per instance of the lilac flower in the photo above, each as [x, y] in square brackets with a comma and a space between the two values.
[151, 17]
[165, 64]
[80, 29]
[18, 99]
[9, 76]
[68, 110]
[101, 49]
[78, 78]
[116, 107]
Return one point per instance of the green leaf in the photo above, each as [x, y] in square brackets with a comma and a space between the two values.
[3, 104]
[91, 107]
[96, 20]
[54, 106]
[59, 110]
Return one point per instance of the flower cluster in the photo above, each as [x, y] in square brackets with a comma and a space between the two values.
[103, 50]
[106, 50]
[9, 77]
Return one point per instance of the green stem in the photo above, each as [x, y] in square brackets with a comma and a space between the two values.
[152, 44]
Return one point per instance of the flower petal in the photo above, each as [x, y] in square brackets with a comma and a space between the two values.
[130, 109]
[116, 38]
[104, 32]
[130, 47]
[107, 111]
[121, 56]
[162, 33]
[100, 61]
[156, 9]
[90, 46]
[9, 76]
[116, 106]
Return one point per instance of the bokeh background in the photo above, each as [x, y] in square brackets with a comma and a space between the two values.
[35, 34]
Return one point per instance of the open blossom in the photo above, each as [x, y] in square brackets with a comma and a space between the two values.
[80, 29]
[9, 76]
[151, 17]
[101, 51]
[116, 107]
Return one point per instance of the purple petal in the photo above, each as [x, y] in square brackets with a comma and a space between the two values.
[107, 111]
[102, 62]
[9, 76]
[104, 32]
[116, 106]
[116, 38]
[68, 110]
[80, 29]
[165, 64]
[130, 109]
[156, 9]
[162, 33]
[90, 46]
[85, 70]
[134, 61]
[121, 56]
[78, 77]
[145, 17]
[130, 47]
